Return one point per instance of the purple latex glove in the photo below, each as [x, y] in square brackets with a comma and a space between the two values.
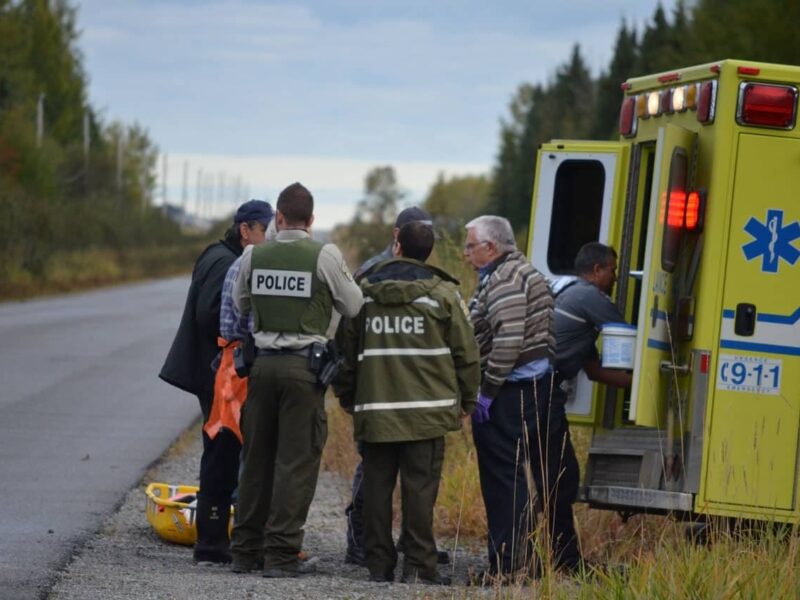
[481, 414]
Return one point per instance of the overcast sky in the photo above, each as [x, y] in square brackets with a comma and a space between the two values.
[321, 91]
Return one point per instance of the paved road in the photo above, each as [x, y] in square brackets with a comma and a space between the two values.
[82, 414]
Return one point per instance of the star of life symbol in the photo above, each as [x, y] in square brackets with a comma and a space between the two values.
[772, 241]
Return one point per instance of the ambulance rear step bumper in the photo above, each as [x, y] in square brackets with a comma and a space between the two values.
[636, 499]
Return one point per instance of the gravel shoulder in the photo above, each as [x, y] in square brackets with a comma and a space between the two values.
[125, 559]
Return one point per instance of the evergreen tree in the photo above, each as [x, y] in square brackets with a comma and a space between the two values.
[761, 31]
[655, 50]
[609, 90]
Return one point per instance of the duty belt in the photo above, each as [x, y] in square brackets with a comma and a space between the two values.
[282, 352]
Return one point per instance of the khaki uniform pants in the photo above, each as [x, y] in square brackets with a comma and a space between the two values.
[284, 428]
[420, 466]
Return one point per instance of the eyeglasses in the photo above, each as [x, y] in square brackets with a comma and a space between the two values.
[470, 245]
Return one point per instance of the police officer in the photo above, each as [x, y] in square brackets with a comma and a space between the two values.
[354, 510]
[413, 331]
[291, 286]
[188, 367]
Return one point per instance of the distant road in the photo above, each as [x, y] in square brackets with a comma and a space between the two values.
[82, 414]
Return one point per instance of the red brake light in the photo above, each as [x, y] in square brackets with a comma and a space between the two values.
[767, 105]
[627, 117]
[695, 210]
[676, 210]
[707, 101]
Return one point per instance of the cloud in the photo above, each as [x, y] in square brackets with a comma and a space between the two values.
[342, 85]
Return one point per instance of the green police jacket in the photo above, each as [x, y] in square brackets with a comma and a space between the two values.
[411, 361]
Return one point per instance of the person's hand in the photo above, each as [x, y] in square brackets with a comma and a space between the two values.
[481, 414]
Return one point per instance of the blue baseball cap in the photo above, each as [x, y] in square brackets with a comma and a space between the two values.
[254, 210]
[413, 214]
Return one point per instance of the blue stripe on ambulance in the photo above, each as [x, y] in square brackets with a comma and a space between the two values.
[778, 334]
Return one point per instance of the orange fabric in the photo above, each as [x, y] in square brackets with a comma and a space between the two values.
[230, 392]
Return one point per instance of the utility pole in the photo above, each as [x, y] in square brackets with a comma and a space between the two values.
[209, 187]
[220, 193]
[164, 182]
[86, 138]
[185, 194]
[40, 120]
[120, 158]
[144, 187]
[198, 193]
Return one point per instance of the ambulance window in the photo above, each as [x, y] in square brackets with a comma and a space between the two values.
[577, 209]
[675, 209]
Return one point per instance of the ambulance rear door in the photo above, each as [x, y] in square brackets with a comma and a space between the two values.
[578, 198]
[755, 423]
[655, 345]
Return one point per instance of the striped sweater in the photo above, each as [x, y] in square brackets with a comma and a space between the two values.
[512, 314]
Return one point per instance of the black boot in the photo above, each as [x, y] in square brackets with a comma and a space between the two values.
[212, 518]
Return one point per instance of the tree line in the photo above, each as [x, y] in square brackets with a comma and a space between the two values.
[573, 104]
[68, 180]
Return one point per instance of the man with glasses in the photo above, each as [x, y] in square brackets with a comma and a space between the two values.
[188, 366]
[516, 431]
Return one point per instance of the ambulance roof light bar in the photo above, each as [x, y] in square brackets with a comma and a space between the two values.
[766, 105]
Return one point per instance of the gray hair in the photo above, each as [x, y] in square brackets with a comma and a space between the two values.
[491, 228]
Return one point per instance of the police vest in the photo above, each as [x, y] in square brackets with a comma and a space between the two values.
[287, 295]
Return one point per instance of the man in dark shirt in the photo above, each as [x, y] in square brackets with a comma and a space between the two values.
[582, 308]
[188, 367]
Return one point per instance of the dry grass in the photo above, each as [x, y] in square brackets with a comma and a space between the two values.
[659, 560]
[86, 269]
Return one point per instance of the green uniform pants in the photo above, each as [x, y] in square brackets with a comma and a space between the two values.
[420, 466]
[284, 427]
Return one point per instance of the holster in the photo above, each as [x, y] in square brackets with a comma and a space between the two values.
[332, 361]
[244, 356]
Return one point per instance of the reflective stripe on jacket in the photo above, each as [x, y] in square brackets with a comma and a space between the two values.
[411, 360]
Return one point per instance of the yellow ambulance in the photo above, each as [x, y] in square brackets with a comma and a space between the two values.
[701, 199]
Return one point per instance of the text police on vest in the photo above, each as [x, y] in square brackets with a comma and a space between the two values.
[387, 324]
[277, 282]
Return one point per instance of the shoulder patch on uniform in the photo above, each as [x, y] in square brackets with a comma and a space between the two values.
[462, 304]
[348, 275]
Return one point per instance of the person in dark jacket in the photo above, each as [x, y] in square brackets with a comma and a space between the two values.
[355, 523]
[188, 366]
[413, 331]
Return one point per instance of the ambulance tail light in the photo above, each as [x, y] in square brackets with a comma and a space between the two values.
[764, 105]
[676, 209]
[674, 225]
[695, 210]
[627, 117]
[707, 102]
